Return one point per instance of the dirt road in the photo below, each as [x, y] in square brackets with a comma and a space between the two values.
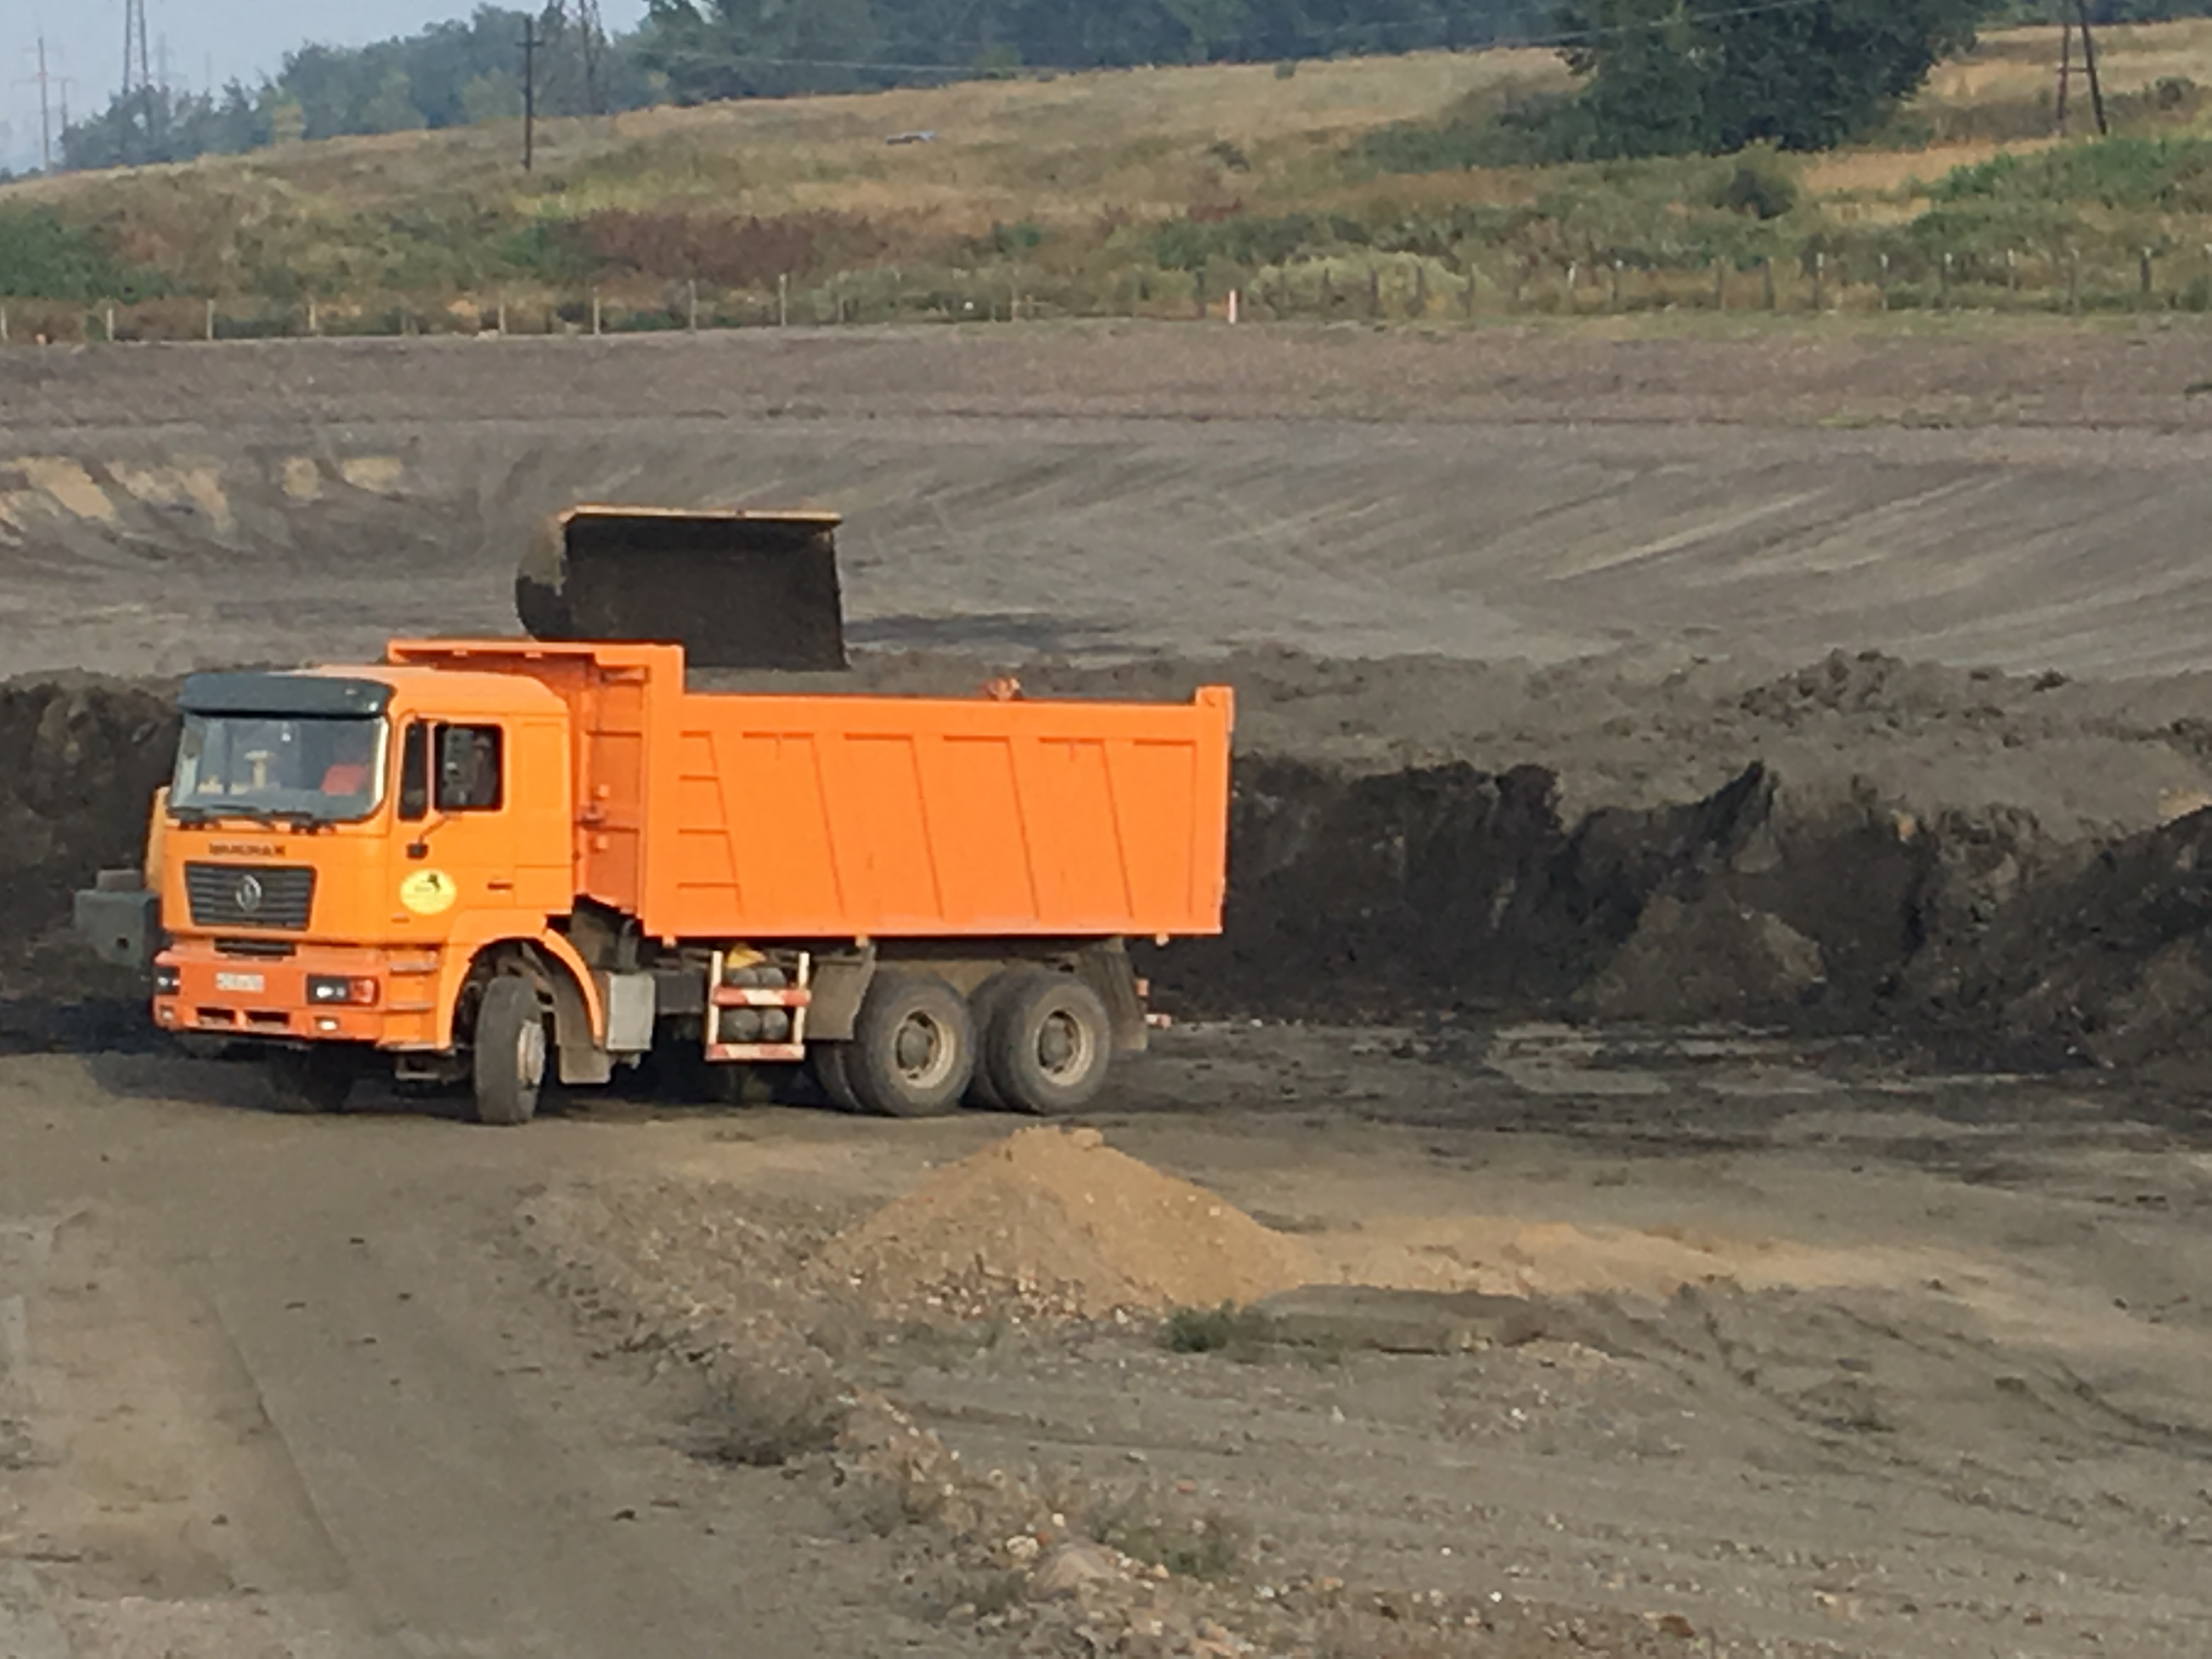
[284, 1386]
[274, 1388]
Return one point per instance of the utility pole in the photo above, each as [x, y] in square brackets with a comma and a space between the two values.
[2065, 62]
[2089, 63]
[529, 93]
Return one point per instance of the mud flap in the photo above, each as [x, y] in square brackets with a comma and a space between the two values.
[1105, 967]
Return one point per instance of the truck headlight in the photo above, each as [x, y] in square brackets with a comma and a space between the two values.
[168, 981]
[359, 990]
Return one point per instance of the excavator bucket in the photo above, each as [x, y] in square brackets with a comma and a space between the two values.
[735, 589]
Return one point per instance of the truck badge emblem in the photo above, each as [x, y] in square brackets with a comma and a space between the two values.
[248, 894]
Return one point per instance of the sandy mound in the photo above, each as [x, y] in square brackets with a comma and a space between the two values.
[1056, 1222]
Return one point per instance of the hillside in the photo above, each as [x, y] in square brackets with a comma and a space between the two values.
[1332, 188]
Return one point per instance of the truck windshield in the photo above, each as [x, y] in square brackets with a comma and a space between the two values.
[320, 768]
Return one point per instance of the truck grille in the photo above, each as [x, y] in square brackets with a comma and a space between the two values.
[250, 895]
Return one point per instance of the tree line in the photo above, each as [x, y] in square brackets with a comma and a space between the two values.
[1658, 76]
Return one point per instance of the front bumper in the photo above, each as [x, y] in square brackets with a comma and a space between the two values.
[199, 988]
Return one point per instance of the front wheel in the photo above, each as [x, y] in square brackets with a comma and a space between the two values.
[509, 1062]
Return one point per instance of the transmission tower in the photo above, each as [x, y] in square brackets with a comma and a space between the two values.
[137, 99]
[45, 80]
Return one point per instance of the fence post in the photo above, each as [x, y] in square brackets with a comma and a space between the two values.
[2011, 270]
[1943, 285]
[110, 324]
[502, 319]
[1327, 295]
[2074, 282]
[315, 318]
[210, 320]
[1720, 285]
[1233, 297]
[1198, 292]
[4, 324]
[691, 320]
[2145, 273]
[1819, 281]
[1466, 296]
[1574, 271]
[783, 300]
[1885, 282]
[1766, 284]
[596, 318]
[1374, 290]
[1613, 286]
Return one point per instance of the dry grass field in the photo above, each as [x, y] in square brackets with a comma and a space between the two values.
[1143, 191]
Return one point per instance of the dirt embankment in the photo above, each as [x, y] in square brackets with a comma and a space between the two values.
[1863, 843]
[80, 759]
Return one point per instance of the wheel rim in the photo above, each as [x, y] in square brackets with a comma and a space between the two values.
[923, 1051]
[529, 1053]
[1064, 1046]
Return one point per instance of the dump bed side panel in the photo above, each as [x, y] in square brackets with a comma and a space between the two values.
[823, 817]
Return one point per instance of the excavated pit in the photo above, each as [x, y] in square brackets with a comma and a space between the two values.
[2022, 865]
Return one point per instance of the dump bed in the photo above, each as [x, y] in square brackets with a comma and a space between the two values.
[742, 816]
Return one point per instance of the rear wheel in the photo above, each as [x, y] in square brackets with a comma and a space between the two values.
[509, 1061]
[983, 1005]
[313, 1079]
[833, 1074]
[914, 1046]
[1049, 1044]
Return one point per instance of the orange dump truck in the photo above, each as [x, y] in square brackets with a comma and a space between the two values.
[511, 861]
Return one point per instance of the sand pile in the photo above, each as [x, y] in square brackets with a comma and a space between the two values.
[1055, 1223]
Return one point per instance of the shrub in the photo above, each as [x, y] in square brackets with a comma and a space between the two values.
[1759, 186]
[42, 257]
[2165, 175]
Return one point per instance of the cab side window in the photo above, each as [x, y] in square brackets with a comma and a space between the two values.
[470, 768]
[415, 773]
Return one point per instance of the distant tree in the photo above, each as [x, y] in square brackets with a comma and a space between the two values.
[1668, 76]
[493, 97]
[391, 108]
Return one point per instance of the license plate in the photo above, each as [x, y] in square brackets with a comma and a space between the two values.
[239, 982]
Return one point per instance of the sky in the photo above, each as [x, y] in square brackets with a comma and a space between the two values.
[221, 39]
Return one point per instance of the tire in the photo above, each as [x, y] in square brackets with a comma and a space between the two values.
[1050, 1043]
[508, 1065]
[983, 1009]
[914, 1046]
[833, 1072]
[317, 1079]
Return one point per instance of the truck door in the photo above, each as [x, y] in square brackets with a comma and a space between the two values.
[481, 827]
